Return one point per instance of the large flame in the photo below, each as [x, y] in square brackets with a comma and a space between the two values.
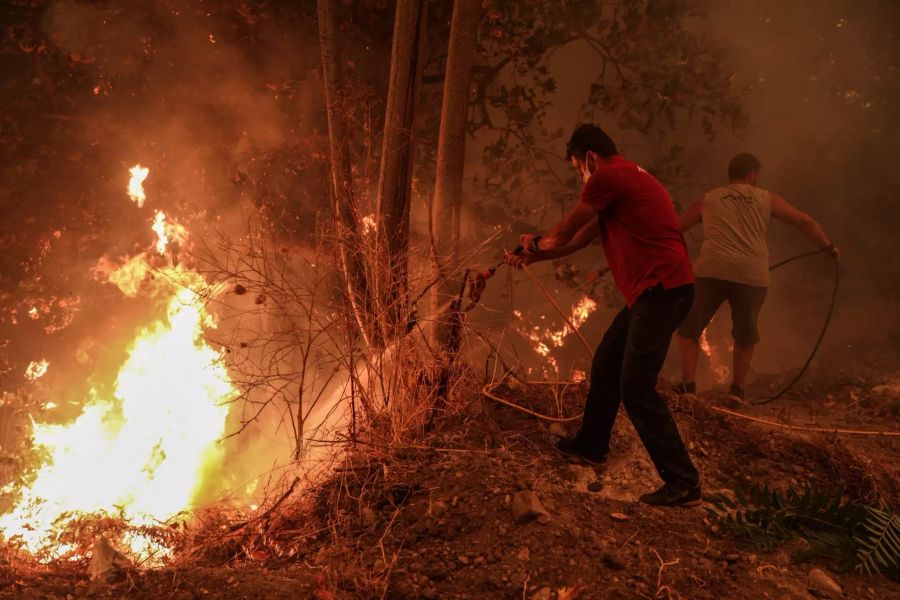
[140, 452]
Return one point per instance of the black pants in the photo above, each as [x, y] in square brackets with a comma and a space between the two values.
[625, 368]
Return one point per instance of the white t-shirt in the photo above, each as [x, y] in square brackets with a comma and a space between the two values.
[736, 219]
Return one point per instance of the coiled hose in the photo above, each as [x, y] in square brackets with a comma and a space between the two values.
[812, 355]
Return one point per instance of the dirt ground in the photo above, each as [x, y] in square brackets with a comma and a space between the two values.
[434, 520]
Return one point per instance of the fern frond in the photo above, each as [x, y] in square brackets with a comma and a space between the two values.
[847, 533]
[879, 548]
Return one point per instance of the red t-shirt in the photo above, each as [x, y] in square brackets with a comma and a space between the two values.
[639, 229]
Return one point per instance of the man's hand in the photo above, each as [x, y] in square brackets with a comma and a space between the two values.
[518, 261]
[832, 251]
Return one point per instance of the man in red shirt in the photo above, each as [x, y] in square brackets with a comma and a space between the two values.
[641, 235]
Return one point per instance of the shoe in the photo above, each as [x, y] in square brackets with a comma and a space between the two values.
[674, 495]
[573, 448]
[684, 388]
[736, 392]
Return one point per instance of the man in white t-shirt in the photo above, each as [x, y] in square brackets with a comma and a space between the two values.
[734, 264]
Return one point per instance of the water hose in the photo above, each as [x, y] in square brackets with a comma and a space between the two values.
[488, 390]
[812, 355]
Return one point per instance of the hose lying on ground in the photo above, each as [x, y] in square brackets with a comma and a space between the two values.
[489, 392]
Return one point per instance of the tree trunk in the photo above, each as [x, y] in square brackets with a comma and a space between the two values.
[395, 177]
[450, 162]
[346, 216]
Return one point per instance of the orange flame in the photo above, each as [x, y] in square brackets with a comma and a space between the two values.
[136, 184]
[159, 227]
[130, 276]
[141, 451]
[36, 369]
[580, 314]
[716, 364]
[166, 232]
[369, 224]
[544, 339]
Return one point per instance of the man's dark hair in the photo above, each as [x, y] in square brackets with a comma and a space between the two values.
[741, 165]
[589, 137]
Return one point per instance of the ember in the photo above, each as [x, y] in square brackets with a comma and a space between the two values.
[36, 369]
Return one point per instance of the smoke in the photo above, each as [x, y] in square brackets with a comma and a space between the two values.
[824, 122]
[221, 101]
[186, 91]
[821, 83]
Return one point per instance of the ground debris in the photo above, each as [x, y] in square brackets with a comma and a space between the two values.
[445, 526]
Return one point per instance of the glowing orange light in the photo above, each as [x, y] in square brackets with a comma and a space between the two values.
[716, 364]
[369, 225]
[136, 184]
[36, 369]
[166, 232]
[140, 451]
[543, 339]
[159, 227]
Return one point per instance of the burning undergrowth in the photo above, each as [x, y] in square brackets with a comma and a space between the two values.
[236, 377]
[546, 338]
[143, 445]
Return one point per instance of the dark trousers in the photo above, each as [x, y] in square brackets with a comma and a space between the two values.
[626, 365]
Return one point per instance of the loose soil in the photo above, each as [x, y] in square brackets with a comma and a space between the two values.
[433, 519]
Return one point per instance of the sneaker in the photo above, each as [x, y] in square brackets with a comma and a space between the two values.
[684, 389]
[736, 392]
[674, 495]
[573, 448]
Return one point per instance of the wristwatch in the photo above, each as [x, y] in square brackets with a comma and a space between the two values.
[534, 248]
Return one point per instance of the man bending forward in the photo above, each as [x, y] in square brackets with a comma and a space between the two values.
[636, 221]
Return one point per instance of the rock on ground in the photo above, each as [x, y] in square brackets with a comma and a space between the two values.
[823, 585]
[526, 507]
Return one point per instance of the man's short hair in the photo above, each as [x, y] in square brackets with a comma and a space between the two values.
[741, 166]
[590, 138]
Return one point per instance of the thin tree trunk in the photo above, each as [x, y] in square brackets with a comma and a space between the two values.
[448, 187]
[395, 177]
[344, 204]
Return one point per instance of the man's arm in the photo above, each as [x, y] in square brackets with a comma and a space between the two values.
[785, 211]
[563, 232]
[582, 238]
[693, 215]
